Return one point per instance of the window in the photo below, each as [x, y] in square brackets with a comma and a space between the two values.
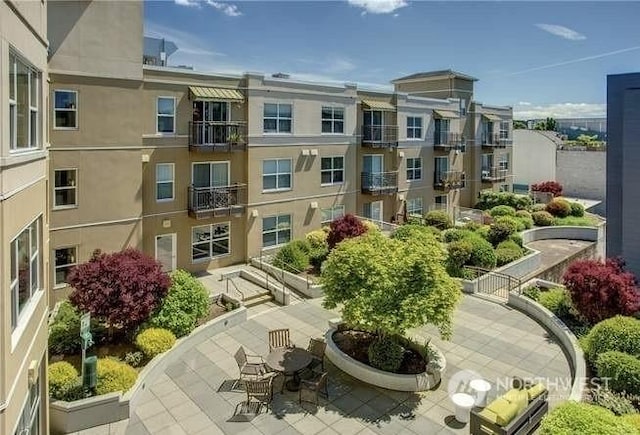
[441, 165]
[504, 130]
[503, 161]
[277, 118]
[276, 174]
[24, 103]
[505, 188]
[414, 169]
[65, 188]
[441, 131]
[65, 259]
[65, 109]
[414, 207]
[414, 127]
[209, 241]
[276, 230]
[25, 268]
[487, 161]
[332, 119]
[441, 201]
[463, 107]
[164, 181]
[330, 214]
[166, 115]
[210, 174]
[331, 170]
[29, 420]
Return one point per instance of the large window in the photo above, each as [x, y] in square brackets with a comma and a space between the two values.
[441, 201]
[441, 131]
[332, 120]
[414, 127]
[330, 214]
[276, 174]
[276, 230]
[331, 170]
[277, 118]
[65, 188]
[503, 161]
[24, 104]
[164, 181]
[441, 165]
[414, 207]
[65, 259]
[25, 267]
[166, 115]
[65, 108]
[29, 421]
[209, 241]
[504, 129]
[414, 169]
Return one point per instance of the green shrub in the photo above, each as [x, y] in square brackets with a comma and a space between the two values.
[482, 254]
[489, 199]
[532, 292]
[134, 359]
[385, 354]
[556, 300]
[409, 232]
[455, 234]
[617, 333]
[507, 251]
[154, 341]
[618, 403]
[436, 233]
[524, 222]
[65, 329]
[517, 239]
[292, 258]
[472, 226]
[523, 214]
[584, 221]
[577, 209]
[633, 420]
[542, 218]
[573, 418]
[317, 256]
[459, 254]
[501, 229]
[538, 207]
[302, 244]
[316, 239]
[621, 369]
[114, 375]
[63, 380]
[439, 219]
[483, 231]
[559, 207]
[502, 210]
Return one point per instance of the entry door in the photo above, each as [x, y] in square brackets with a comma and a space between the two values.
[373, 210]
[216, 113]
[166, 251]
[372, 122]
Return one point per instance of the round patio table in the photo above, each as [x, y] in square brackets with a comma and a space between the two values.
[289, 361]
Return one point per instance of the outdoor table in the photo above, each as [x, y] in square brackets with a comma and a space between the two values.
[289, 361]
[481, 390]
[463, 403]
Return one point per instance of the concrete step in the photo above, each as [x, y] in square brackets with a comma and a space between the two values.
[256, 296]
[253, 301]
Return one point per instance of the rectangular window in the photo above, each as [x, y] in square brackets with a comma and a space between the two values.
[65, 259]
[277, 118]
[331, 170]
[503, 161]
[441, 165]
[330, 214]
[332, 119]
[276, 174]
[505, 188]
[414, 169]
[65, 108]
[276, 230]
[29, 420]
[441, 201]
[414, 127]
[414, 207]
[164, 181]
[441, 131]
[210, 241]
[65, 188]
[504, 129]
[24, 104]
[25, 268]
[166, 115]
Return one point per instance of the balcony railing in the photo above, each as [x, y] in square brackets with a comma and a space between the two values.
[206, 202]
[377, 183]
[445, 180]
[217, 136]
[494, 174]
[447, 141]
[494, 141]
[380, 136]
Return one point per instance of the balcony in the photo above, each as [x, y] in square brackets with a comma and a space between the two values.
[380, 136]
[494, 141]
[493, 174]
[447, 180]
[208, 202]
[446, 141]
[214, 136]
[379, 183]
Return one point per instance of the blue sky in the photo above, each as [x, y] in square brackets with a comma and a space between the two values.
[542, 58]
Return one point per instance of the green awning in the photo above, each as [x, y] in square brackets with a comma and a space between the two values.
[199, 92]
[379, 105]
[491, 117]
[447, 114]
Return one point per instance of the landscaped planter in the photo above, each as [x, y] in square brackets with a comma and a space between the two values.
[301, 284]
[392, 381]
[67, 417]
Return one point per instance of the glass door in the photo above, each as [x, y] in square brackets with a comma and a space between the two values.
[216, 114]
[373, 166]
[166, 251]
[373, 210]
[372, 126]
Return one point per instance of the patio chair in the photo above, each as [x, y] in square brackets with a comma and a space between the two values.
[249, 369]
[313, 388]
[260, 390]
[279, 338]
[316, 348]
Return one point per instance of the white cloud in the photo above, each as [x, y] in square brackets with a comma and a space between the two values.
[562, 31]
[378, 6]
[188, 44]
[524, 103]
[188, 3]
[226, 8]
[559, 110]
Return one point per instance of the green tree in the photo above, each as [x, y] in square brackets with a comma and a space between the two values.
[519, 125]
[548, 124]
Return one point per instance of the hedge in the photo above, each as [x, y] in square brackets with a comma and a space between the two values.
[114, 375]
[618, 333]
[154, 341]
[573, 418]
[621, 370]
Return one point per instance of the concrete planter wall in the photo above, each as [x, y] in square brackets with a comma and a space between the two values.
[67, 417]
[298, 283]
[392, 381]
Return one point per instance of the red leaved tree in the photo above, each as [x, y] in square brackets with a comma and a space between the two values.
[600, 290]
[344, 227]
[122, 288]
[552, 187]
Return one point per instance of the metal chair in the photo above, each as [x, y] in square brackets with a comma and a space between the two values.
[279, 338]
[261, 390]
[314, 388]
[251, 369]
[316, 348]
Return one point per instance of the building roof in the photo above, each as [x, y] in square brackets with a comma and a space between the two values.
[435, 74]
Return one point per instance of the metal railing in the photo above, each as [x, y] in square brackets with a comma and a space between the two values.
[217, 135]
[444, 180]
[447, 140]
[378, 136]
[379, 182]
[230, 199]
[267, 257]
[494, 173]
[493, 140]
[229, 279]
[384, 226]
[494, 283]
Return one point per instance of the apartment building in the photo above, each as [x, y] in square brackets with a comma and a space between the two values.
[23, 217]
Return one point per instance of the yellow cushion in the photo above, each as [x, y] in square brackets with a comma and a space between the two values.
[490, 416]
[505, 411]
[519, 397]
[535, 391]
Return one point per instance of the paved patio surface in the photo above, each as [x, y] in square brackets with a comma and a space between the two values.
[196, 395]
